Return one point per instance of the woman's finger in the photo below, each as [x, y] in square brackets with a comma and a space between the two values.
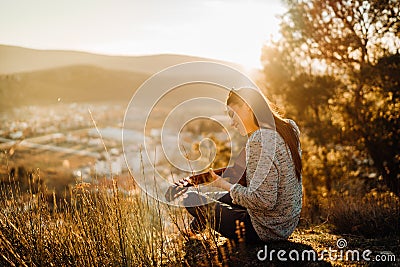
[213, 174]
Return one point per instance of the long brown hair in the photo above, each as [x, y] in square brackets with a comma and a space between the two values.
[263, 117]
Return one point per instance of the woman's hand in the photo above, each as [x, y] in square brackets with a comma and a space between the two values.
[218, 181]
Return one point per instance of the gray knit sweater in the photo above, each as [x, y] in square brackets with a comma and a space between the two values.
[273, 196]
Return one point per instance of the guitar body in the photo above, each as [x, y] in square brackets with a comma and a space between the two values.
[236, 173]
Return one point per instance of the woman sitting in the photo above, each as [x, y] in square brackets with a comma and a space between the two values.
[269, 205]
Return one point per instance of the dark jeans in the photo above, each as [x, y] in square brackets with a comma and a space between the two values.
[221, 215]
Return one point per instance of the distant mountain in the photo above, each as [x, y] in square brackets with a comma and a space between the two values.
[17, 59]
[40, 77]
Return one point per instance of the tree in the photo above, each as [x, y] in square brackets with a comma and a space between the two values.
[346, 55]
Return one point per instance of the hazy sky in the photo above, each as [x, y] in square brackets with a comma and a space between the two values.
[232, 30]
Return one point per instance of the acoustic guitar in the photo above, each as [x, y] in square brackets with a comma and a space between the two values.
[235, 173]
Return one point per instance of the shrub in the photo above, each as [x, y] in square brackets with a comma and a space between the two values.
[374, 215]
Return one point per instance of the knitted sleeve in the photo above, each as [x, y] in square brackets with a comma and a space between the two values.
[262, 174]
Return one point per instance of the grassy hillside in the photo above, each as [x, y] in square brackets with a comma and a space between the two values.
[69, 84]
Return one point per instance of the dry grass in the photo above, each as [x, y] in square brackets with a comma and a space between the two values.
[101, 226]
[86, 228]
[377, 214]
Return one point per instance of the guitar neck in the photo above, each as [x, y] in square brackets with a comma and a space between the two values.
[204, 177]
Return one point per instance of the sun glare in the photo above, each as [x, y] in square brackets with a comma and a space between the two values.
[232, 31]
